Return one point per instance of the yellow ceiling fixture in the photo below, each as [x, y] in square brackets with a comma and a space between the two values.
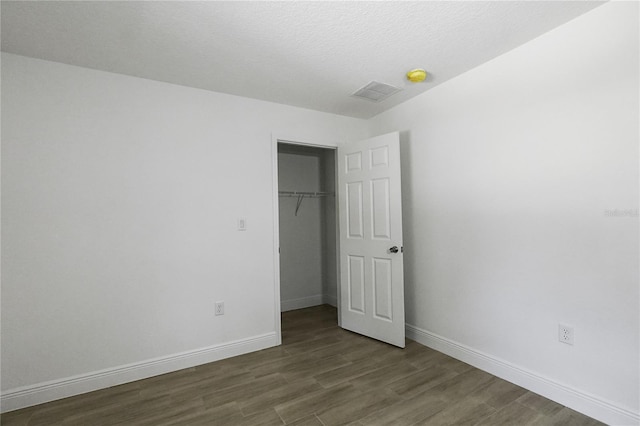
[416, 76]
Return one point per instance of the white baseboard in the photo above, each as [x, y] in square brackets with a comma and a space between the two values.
[27, 396]
[575, 399]
[330, 300]
[303, 302]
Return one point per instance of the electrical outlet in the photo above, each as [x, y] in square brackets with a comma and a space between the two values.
[219, 308]
[565, 334]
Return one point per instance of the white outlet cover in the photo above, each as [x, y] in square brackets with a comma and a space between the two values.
[565, 334]
[219, 308]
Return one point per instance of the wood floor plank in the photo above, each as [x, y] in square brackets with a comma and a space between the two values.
[222, 381]
[565, 417]
[18, 417]
[219, 415]
[406, 412]
[346, 373]
[430, 358]
[107, 400]
[357, 407]
[501, 393]
[265, 418]
[511, 414]
[421, 381]
[540, 404]
[311, 345]
[466, 411]
[461, 385]
[170, 414]
[281, 365]
[307, 421]
[313, 368]
[314, 402]
[343, 347]
[301, 366]
[278, 395]
[245, 391]
[128, 413]
[384, 375]
[365, 349]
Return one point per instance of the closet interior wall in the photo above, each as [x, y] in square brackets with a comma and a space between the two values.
[308, 272]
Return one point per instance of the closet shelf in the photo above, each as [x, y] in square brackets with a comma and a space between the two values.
[304, 193]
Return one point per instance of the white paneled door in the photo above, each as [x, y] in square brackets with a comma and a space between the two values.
[371, 269]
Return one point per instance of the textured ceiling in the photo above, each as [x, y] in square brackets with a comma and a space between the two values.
[308, 54]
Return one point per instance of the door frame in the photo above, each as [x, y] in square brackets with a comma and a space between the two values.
[302, 141]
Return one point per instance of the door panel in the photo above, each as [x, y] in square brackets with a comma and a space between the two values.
[370, 211]
[382, 285]
[356, 284]
[354, 210]
[380, 209]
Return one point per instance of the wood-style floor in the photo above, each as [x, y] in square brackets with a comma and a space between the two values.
[321, 375]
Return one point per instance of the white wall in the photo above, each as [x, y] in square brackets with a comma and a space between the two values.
[508, 172]
[301, 234]
[120, 201]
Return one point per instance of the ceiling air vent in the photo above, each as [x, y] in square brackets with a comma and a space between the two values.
[376, 92]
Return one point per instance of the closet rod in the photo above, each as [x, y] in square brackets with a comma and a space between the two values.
[301, 195]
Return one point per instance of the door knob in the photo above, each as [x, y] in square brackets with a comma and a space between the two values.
[394, 249]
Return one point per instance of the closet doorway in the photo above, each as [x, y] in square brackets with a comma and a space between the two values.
[307, 226]
[358, 269]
